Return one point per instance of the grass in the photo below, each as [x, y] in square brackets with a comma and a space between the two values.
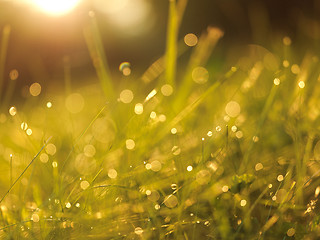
[235, 157]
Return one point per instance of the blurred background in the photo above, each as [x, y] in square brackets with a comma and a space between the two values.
[46, 34]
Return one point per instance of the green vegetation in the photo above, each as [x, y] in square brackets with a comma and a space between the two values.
[199, 150]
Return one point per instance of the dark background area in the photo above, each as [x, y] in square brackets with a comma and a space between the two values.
[38, 42]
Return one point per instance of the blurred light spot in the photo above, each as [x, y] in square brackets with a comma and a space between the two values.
[276, 81]
[112, 173]
[89, 150]
[258, 167]
[200, 75]
[295, 69]
[206, 223]
[234, 69]
[35, 217]
[49, 104]
[209, 133]
[291, 232]
[148, 192]
[148, 166]
[190, 39]
[239, 134]
[162, 118]
[77, 205]
[35, 89]
[274, 198]
[153, 196]
[68, 205]
[153, 115]
[44, 157]
[12, 111]
[84, 184]
[233, 109]
[54, 164]
[174, 186]
[51, 149]
[171, 201]
[157, 207]
[125, 68]
[176, 150]
[286, 41]
[280, 178]
[218, 128]
[255, 139]
[234, 128]
[138, 230]
[55, 7]
[156, 166]
[189, 168]
[14, 74]
[24, 126]
[243, 202]
[29, 131]
[225, 188]
[138, 108]
[167, 90]
[74, 103]
[174, 130]
[301, 84]
[285, 63]
[151, 95]
[130, 144]
[317, 191]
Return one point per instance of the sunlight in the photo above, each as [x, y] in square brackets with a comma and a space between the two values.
[56, 7]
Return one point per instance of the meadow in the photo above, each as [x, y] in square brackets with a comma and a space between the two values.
[192, 149]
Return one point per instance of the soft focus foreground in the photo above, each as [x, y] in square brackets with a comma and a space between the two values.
[192, 149]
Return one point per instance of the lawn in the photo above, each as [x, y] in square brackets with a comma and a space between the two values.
[200, 146]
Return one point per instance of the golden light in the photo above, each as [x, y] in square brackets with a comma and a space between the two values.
[56, 7]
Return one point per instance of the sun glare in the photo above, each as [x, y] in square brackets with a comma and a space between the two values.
[56, 7]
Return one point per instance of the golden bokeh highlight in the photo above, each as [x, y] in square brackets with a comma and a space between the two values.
[156, 166]
[44, 158]
[112, 173]
[233, 109]
[130, 144]
[125, 68]
[138, 230]
[138, 108]
[190, 39]
[55, 7]
[171, 201]
[200, 75]
[12, 111]
[167, 90]
[35, 89]
[89, 150]
[84, 184]
[301, 84]
[126, 96]
[35, 217]
[14, 74]
[51, 149]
